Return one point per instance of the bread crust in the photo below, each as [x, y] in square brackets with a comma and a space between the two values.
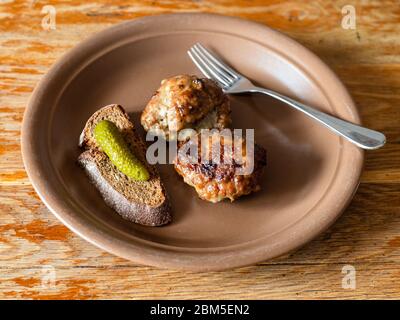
[126, 196]
[132, 211]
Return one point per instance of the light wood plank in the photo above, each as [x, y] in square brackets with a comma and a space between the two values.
[367, 236]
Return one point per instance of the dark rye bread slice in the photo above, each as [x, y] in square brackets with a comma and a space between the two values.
[143, 202]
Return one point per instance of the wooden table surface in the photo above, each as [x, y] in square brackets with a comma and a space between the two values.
[35, 248]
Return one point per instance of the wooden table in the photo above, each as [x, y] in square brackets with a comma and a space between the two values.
[42, 259]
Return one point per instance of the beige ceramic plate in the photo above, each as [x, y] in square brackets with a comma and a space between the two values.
[311, 173]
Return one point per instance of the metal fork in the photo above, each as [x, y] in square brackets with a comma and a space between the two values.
[233, 82]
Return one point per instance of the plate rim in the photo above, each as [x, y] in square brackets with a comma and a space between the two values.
[176, 259]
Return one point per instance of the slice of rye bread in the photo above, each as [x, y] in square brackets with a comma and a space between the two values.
[143, 202]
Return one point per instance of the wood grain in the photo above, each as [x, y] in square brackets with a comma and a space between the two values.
[367, 236]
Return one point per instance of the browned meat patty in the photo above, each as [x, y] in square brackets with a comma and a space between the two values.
[186, 102]
[217, 180]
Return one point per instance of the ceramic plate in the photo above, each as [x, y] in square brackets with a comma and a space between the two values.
[311, 173]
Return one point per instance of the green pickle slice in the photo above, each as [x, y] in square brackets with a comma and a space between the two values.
[116, 148]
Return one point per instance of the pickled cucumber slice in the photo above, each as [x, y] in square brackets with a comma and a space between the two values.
[111, 141]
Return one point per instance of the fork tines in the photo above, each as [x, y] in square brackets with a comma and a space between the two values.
[213, 67]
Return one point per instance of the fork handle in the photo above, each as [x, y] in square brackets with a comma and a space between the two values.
[360, 136]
